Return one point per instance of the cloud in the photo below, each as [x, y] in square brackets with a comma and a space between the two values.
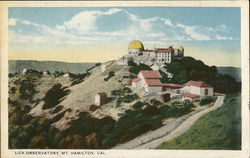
[193, 33]
[12, 22]
[84, 28]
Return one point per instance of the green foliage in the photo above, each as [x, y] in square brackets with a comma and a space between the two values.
[97, 64]
[188, 68]
[57, 109]
[166, 97]
[78, 78]
[27, 87]
[110, 74]
[131, 63]
[135, 69]
[58, 73]
[131, 125]
[155, 102]
[54, 96]
[138, 105]
[219, 129]
[124, 95]
[206, 100]
[168, 111]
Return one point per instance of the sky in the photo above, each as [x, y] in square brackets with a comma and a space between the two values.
[99, 34]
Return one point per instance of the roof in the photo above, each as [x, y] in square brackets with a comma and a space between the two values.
[151, 74]
[135, 79]
[198, 84]
[102, 94]
[153, 82]
[135, 45]
[172, 85]
[190, 95]
[147, 50]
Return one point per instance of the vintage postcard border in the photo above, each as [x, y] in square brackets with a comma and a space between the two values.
[130, 153]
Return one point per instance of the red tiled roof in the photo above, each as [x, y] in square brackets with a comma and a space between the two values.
[153, 82]
[190, 95]
[198, 84]
[150, 74]
[135, 79]
[102, 94]
[147, 51]
[172, 85]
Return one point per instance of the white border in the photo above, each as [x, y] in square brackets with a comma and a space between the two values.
[6, 153]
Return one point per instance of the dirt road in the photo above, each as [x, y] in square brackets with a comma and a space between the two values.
[171, 129]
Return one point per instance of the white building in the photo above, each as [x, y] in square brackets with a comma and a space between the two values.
[45, 72]
[24, 71]
[101, 98]
[157, 55]
[149, 80]
[198, 88]
[190, 97]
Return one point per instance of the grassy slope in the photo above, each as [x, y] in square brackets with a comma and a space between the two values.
[220, 129]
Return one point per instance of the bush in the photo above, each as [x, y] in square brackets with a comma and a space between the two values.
[57, 109]
[136, 69]
[110, 74]
[54, 96]
[166, 97]
[138, 105]
[155, 102]
[206, 101]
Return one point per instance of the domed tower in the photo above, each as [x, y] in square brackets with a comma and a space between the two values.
[135, 47]
[181, 51]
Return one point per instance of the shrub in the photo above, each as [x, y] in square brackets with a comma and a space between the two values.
[155, 102]
[166, 97]
[110, 74]
[206, 101]
[57, 109]
[138, 105]
[136, 69]
[54, 96]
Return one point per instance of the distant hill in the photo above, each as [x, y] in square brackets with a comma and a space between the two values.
[19, 65]
[232, 71]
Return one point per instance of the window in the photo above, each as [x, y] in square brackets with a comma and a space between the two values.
[206, 91]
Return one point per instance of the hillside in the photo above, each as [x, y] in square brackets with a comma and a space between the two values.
[19, 65]
[58, 111]
[220, 129]
[188, 68]
[232, 71]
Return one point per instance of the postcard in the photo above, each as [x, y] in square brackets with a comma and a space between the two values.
[120, 79]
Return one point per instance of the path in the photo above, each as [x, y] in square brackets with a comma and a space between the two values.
[171, 129]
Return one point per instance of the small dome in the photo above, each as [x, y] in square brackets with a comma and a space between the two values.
[135, 45]
[181, 48]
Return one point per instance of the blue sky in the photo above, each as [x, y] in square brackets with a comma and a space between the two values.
[37, 31]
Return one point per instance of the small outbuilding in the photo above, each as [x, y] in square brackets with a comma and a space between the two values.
[101, 98]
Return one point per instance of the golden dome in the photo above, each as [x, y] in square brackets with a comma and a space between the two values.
[181, 48]
[135, 45]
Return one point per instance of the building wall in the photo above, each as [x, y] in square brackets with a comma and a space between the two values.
[134, 51]
[190, 99]
[136, 84]
[97, 99]
[193, 89]
[176, 98]
[154, 89]
[198, 90]
[210, 92]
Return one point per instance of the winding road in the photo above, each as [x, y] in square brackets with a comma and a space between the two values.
[171, 129]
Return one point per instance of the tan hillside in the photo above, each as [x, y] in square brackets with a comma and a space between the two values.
[82, 95]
